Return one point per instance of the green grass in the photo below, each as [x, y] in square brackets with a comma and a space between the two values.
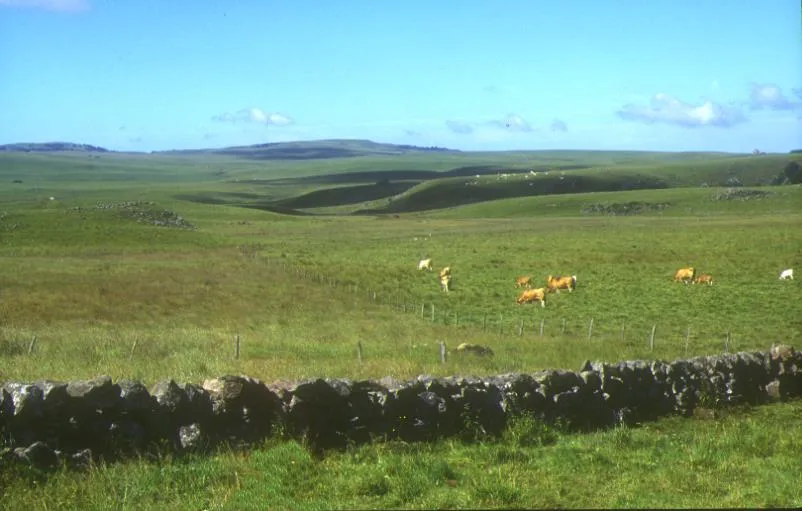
[105, 294]
[746, 459]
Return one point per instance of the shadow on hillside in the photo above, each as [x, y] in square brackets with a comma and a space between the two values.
[449, 195]
[344, 195]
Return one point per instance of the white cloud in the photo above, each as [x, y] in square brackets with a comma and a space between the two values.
[558, 125]
[512, 122]
[254, 115]
[670, 110]
[50, 5]
[770, 97]
[463, 128]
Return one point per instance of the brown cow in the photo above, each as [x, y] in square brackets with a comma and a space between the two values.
[566, 282]
[445, 271]
[523, 281]
[685, 275]
[533, 295]
[703, 279]
[445, 282]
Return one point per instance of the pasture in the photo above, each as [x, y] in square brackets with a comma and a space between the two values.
[105, 291]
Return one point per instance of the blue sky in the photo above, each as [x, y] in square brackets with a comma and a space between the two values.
[676, 75]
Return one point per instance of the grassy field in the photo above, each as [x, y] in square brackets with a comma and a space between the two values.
[105, 291]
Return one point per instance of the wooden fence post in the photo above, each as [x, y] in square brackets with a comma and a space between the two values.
[236, 346]
[133, 348]
[31, 345]
[623, 331]
[590, 329]
[500, 323]
[542, 325]
[727, 343]
[432, 313]
[563, 327]
[484, 321]
[422, 309]
[521, 328]
[442, 352]
[651, 338]
[359, 351]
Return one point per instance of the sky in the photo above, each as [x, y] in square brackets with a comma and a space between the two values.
[147, 75]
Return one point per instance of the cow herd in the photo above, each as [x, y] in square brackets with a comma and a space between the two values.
[689, 276]
[444, 275]
[528, 295]
[555, 284]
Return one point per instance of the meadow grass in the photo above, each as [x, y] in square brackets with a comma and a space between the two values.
[105, 294]
[746, 458]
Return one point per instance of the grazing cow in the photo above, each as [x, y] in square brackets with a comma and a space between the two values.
[445, 282]
[787, 274]
[685, 275]
[533, 295]
[703, 279]
[566, 282]
[425, 264]
[445, 271]
[523, 281]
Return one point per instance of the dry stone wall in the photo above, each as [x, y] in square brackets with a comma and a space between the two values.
[47, 423]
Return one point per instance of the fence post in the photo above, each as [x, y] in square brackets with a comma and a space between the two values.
[521, 328]
[442, 352]
[542, 325]
[727, 343]
[500, 323]
[422, 309]
[359, 351]
[651, 338]
[236, 346]
[31, 345]
[563, 328]
[133, 348]
[590, 329]
[456, 319]
[432, 313]
[484, 321]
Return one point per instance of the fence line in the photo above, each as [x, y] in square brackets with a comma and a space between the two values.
[438, 314]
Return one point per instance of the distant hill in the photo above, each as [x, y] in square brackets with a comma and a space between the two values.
[314, 149]
[46, 147]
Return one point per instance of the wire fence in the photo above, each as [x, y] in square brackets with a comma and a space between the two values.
[524, 323]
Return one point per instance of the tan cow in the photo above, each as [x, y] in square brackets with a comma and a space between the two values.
[555, 284]
[704, 278]
[445, 282]
[523, 281]
[445, 271]
[533, 295]
[685, 275]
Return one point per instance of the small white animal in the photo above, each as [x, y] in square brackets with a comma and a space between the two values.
[787, 274]
[425, 264]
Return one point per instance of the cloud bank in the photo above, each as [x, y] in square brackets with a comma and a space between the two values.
[770, 97]
[667, 109]
[256, 116]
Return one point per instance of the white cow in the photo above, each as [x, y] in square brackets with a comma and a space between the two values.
[425, 264]
[787, 274]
